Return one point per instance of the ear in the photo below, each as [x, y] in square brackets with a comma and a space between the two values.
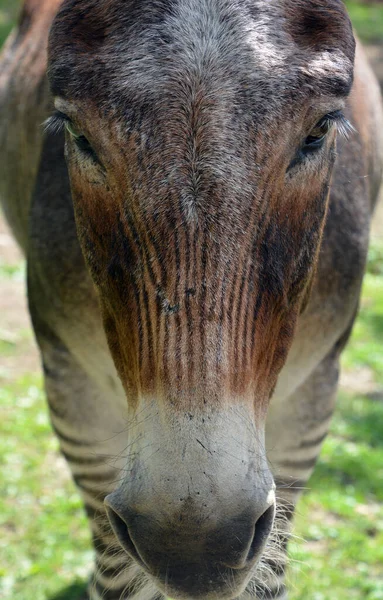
[320, 25]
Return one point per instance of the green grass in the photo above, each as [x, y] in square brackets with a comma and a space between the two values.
[8, 14]
[44, 539]
[14, 271]
[367, 20]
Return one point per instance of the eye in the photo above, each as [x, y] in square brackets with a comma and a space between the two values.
[315, 141]
[81, 141]
[317, 136]
[72, 129]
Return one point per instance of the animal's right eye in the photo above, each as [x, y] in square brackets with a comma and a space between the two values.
[318, 134]
[317, 138]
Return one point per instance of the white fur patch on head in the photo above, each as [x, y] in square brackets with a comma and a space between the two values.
[214, 42]
[268, 55]
[327, 63]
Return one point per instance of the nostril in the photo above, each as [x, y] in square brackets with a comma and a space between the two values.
[262, 530]
[121, 531]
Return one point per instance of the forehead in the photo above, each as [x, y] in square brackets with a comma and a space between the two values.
[121, 51]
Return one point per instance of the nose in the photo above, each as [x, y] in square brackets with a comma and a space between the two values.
[194, 556]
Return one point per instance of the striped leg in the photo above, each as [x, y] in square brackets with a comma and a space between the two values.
[295, 431]
[87, 424]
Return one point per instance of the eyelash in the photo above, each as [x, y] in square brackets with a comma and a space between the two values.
[55, 124]
[343, 125]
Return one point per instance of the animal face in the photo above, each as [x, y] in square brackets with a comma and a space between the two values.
[200, 141]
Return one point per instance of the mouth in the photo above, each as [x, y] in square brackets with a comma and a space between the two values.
[192, 584]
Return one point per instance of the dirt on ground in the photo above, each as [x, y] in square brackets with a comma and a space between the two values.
[15, 325]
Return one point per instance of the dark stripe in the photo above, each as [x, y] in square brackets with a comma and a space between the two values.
[110, 572]
[262, 234]
[158, 282]
[149, 328]
[245, 276]
[222, 313]
[215, 256]
[190, 298]
[231, 323]
[136, 291]
[95, 477]
[141, 247]
[100, 526]
[84, 460]
[70, 440]
[252, 314]
[53, 374]
[202, 316]
[315, 442]
[252, 231]
[299, 464]
[97, 514]
[111, 594]
[165, 351]
[177, 300]
[106, 549]
[326, 417]
[239, 341]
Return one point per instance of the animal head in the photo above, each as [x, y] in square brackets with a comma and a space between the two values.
[200, 142]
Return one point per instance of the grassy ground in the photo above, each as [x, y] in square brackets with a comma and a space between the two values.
[8, 12]
[44, 542]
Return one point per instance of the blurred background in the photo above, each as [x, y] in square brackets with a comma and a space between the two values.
[337, 554]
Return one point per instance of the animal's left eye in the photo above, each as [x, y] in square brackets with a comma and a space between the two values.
[72, 129]
[315, 141]
[81, 141]
[318, 134]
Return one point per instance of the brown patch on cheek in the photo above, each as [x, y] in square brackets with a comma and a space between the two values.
[96, 212]
[302, 218]
[292, 242]
[123, 345]
[109, 251]
[274, 333]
